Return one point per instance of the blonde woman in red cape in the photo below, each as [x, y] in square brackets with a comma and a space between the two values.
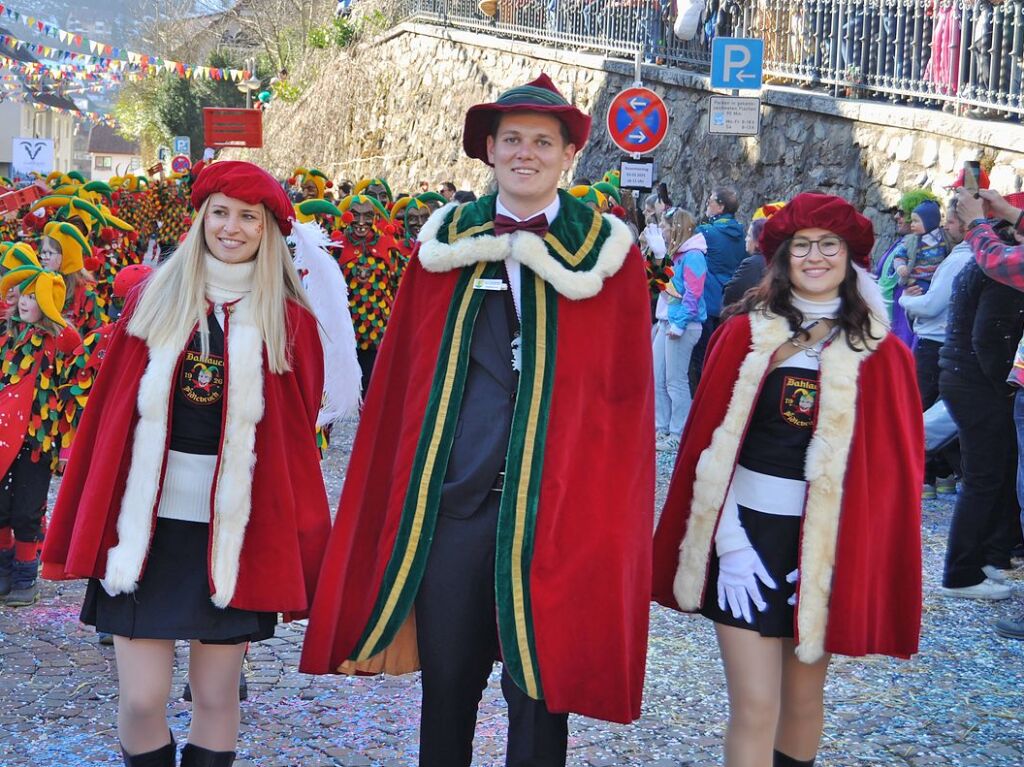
[193, 500]
[775, 527]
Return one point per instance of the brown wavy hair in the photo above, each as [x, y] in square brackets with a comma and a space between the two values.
[774, 295]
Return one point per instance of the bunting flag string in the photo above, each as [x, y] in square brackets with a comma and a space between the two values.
[105, 56]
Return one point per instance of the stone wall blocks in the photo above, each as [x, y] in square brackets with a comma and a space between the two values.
[892, 174]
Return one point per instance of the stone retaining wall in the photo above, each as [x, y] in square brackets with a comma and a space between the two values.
[394, 107]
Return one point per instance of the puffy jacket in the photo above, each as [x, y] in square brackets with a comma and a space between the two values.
[726, 249]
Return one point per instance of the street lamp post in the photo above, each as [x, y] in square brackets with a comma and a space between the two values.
[250, 86]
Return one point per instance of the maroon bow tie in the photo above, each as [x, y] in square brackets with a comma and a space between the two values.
[538, 225]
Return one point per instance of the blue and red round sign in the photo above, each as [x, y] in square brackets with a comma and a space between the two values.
[637, 120]
[181, 163]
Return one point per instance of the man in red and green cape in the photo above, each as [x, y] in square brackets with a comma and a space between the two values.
[499, 500]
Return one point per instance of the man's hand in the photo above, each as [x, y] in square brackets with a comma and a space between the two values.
[968, 207]
[999, 207]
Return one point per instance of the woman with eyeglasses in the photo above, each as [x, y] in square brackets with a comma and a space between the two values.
[775, 527]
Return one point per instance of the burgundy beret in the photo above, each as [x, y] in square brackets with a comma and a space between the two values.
[248, 183]
[820, 211]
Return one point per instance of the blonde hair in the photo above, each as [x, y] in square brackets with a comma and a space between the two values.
[174, 299]
[680, 222]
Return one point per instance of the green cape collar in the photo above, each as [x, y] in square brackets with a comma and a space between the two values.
[582, 249]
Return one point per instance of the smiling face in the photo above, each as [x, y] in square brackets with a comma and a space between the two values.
[309, 189]
[50, 255]
[814, 275]
[529, 156]
[28, 308]
[363, 214]
[233, 228]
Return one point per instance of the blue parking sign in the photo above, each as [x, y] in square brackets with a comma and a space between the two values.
[737, 63]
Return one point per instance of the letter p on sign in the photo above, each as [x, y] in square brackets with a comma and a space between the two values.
[737, 63]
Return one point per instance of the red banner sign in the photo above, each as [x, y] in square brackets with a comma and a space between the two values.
[232, 127]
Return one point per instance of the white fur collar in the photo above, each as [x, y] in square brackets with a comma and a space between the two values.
[233, 499]
[825, 469]
[529, 250]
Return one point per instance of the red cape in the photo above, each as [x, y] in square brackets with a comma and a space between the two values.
[289, 519]
[590, 569]
[872, 597]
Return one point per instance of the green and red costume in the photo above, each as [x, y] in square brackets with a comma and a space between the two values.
[576, 515]
[369, 271]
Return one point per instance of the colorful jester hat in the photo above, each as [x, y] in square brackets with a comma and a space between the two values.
[73, 246]
[364, 184]
[22, 271]
[609, 189]
[400, 210]
[768, 210]
[308, 210]
[356, 199]
[301, 175]
[590, 195]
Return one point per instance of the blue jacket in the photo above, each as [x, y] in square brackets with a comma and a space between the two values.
[726, 248]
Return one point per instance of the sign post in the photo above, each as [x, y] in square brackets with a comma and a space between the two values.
[181, 163]
[637, 120]
[31, 155]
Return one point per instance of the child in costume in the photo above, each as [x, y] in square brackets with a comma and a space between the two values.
[64, 249]
[924, 249]
[196, 506]
[33, 368]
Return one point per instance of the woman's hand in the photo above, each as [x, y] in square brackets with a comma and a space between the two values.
[738, 574]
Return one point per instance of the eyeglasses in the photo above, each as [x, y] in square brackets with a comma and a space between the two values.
[800, 247]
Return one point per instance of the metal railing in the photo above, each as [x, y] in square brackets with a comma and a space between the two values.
[965, 56]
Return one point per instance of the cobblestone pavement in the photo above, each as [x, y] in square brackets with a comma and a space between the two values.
[959, 703]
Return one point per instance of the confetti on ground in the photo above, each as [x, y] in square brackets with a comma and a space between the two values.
[960, 703]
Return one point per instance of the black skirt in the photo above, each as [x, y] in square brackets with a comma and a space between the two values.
[776, 539]
[172, 600]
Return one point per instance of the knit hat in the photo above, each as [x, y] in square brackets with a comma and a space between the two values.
[928, 212]
[30, 278]
[248, 183]
[74, 247]
[912, 198]
[820, 211]
[541, 95]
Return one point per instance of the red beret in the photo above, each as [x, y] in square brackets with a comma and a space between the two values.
[248, 183]
[820, 211]
[541, 95]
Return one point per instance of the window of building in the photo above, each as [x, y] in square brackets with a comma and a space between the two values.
[103, 162]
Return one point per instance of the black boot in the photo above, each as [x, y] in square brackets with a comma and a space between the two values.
[781, 760]
[24, 583]
[195, 756]
[6, 570]
[165, 756]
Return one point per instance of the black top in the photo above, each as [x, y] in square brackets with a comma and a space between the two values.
[199, 396]
[782, 423]
[984, 324]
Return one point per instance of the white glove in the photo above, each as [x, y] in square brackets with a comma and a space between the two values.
[738, 573]
[794, 578]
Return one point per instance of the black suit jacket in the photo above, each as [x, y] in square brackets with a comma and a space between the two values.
[485, 415]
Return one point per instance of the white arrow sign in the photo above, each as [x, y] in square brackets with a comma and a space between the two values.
[636, 103]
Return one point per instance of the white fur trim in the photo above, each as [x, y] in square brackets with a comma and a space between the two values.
[135, 520]
[233, 497]
[530, 251]
[716, 463]
[827, 457]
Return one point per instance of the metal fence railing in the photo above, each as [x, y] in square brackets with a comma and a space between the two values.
[965, 56]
